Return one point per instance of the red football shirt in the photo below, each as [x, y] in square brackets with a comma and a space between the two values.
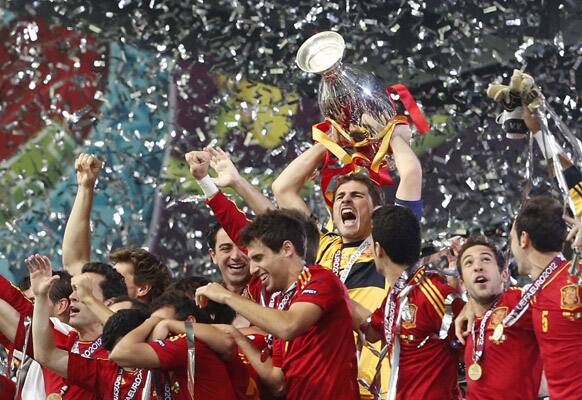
[211, 379]
[428, 365]
[105, 378]
[511, 367]
[243, 377]
[53, 382]
[557, 322]
[320, 363]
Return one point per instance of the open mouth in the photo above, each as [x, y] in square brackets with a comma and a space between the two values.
[73, 311]
[481, 279]
[348, 216]
[238, 267]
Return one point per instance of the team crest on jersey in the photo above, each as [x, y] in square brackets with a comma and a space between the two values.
[570, 298]
[497, 317]
[409, 317]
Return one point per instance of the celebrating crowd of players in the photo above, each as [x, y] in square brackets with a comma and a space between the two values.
[301, 312]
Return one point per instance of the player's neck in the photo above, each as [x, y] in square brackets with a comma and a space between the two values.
[234, 288]
[295, 268]
[481, 306]
[392, 272]
[539, 261]
[90, 332]
[356, 238]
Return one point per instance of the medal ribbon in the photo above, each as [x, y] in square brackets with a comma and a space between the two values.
[191, 356]
[351, 261]
[479, 344]
[89, 351]
[19, 376]
[285, 299]
[531, 291]
[134, 386]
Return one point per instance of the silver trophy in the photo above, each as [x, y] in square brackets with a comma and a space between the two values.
[350, 97]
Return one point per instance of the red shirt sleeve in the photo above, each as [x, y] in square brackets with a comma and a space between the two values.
[172, 352]
[14, 296]
[229, 216]
[322, 288]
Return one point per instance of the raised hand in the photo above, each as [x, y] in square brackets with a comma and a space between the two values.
[83, 285]
[41, 274]
[227, 174]
[87, 167]
[198, 161]
[213, 291]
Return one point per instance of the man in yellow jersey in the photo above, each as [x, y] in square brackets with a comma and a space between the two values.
[349, 253]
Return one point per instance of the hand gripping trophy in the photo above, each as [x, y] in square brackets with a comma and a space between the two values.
[360, 117]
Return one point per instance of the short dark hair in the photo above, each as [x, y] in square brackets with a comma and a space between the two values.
[147, 268]
[214, 313]
[273, 228]
[211, 235]
[135, 304]
[120, 324]
[184, 306]
[397, 230]
[24, 283]
[312, 234]
[541, 218]
[480, 240]
[373, 188]
[113, 285]
[61, 289]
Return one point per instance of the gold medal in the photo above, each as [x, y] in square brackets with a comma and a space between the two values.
[498, 332]
[474, 372]
[54, 396]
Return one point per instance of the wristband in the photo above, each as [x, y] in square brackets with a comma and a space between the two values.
[208, 186]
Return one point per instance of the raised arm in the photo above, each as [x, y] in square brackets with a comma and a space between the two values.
[77, 239]
[288, 185]
[229, 216]
[407, 164]
[9, 320]
[283, 324]
[270, 375]
[45, 350]
[82, 285]
[228, 176]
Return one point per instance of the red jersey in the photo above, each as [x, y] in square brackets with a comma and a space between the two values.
[53, 382]
[244, 379]
[320, 363]
[428, 365]
[512, 366]
[105, 378]
[211, 379]
[7, 387]
[557, 322]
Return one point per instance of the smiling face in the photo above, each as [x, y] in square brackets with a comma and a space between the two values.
[352, 211]
[232, 262]
[270, 266]
[481, 274]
